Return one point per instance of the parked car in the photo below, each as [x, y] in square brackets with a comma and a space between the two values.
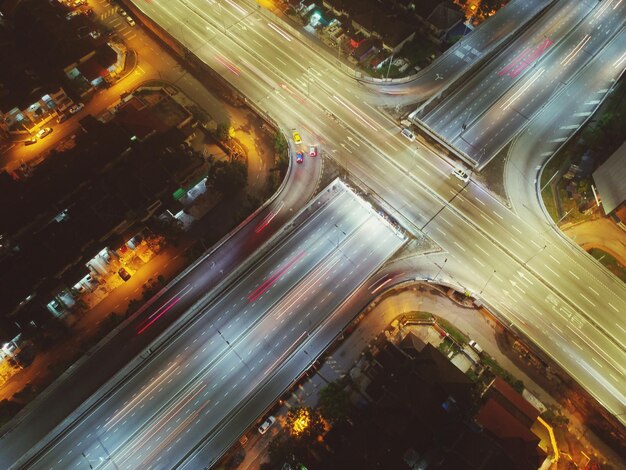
[31, 141]
[62, 118]
[267, 424]
[44, 132]
[76, 108]
[407, 133]
[130, 21]
[124, 274]
[475, 346]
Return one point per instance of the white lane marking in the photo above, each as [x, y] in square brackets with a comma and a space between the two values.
[459, 246]
[584, 297]
[574, 275]
[550, 269]
[554, 259]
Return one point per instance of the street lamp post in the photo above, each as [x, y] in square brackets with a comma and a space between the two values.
[487, 282]
[440, 269]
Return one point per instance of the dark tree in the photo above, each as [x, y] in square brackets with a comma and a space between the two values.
[334, 402]
[228, 178]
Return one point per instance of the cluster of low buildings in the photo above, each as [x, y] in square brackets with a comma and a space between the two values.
[373, 31]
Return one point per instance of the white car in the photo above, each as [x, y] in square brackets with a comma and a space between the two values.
[76, 108]
[461, 174]
[267, 424]
[43, 132]
[475, 346]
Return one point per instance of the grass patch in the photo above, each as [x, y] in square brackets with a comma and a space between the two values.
[418, 316]
[601, 136]
[548, 200]
[452, 331]
[609, 262]
[445, 347]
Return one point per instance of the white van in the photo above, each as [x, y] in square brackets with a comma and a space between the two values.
[408, 134]
[475, 346]
[461, 174]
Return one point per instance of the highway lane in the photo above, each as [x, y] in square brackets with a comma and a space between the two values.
[160, 414]
[456, 60]
[210, 274]
[425, 169]
[370, 140]
[557, 122]
[498, 124]
[482, 90]
[510, 229]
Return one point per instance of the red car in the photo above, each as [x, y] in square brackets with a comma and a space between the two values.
[313, 151]
[299, 157]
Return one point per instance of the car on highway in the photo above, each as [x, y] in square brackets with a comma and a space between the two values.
[31, 141]
[124, 274]
[408, 134]
[44, 132]
[267, 424]
[299, 157]
[76, 108]
[296, 136]
[312, 151]
[461, 174]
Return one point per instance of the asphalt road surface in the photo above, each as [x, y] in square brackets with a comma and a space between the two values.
[491, 108]
[192, 386]
[458, 58]
[561, 299]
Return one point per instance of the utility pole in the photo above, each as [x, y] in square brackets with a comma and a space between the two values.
[489, 279]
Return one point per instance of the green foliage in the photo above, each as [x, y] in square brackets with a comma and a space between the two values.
[110, 322]
[228, 178]
[8, 409]
[610, 262]
[314, 428]
[221, 132]
[487, 5]
[334, 402]
[26, 394]
[289, 449]
[453, 331]
[554, 417]
[497, 369]
[133, 306]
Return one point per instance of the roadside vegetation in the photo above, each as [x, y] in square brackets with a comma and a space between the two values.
[599, 138]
